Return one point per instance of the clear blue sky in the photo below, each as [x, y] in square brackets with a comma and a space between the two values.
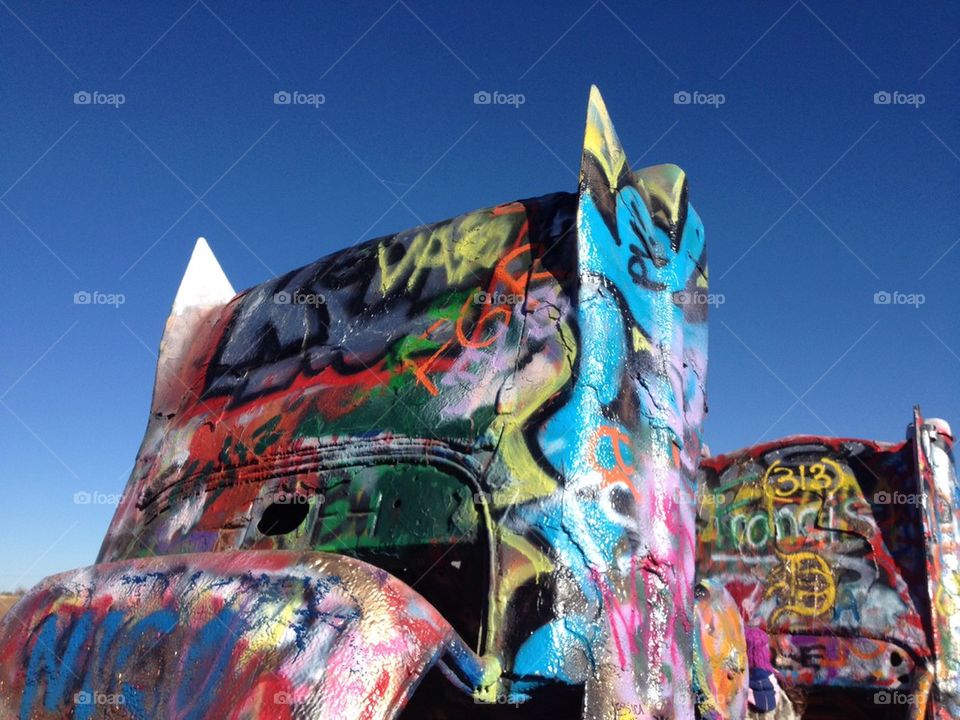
[814, 197]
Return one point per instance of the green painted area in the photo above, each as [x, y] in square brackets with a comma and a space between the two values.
[266, 436]
[389, 507]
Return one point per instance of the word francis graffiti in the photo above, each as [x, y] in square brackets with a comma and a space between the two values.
[846, 551]
[458, 472]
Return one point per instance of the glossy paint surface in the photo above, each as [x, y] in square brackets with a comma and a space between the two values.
[252, 635]
[845, 550]
[720, 654]
[502, 411]
[476, 445]
[941, 518]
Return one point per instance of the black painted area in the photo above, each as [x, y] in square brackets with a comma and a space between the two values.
[280, 518]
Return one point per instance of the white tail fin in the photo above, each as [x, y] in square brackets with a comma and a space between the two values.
[204, 288]
[204, 283]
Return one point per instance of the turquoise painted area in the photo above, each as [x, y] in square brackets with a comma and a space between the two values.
[545, 654]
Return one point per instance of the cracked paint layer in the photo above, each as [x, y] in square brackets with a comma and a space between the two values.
[501, 411]
[472, 450]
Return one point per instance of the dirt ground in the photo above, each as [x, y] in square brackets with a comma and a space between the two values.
[7, 602]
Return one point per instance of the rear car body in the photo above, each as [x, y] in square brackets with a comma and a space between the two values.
[471, 445]
[846, 551]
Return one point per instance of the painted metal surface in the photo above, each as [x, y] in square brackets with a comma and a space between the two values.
[940, 492]
[263, 634]
[845, 550]
[720, 654]
[502, 410]
[474, 446]
[629, 437]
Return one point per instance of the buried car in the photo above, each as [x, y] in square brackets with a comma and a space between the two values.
[846, 551]
[469, 448]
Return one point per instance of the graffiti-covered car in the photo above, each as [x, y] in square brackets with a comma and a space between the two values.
[847, 552]
[467, 448]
